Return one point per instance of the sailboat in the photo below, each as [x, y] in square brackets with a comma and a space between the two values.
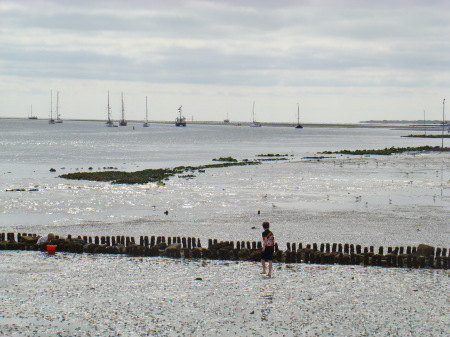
[58, 115]
[31, 114]
[109, 122]
[51, 120]
[254, 124]
[146, 123]
[180, 121]
[298, 126]
[123, 122]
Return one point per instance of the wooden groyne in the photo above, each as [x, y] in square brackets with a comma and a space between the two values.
[422, 256]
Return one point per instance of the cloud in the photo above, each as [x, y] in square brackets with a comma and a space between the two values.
[292, 44]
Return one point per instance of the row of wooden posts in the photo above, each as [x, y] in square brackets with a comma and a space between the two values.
[423, 256]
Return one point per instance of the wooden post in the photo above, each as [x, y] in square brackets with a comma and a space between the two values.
[358, 249]
[113, 240]
[340, 248]
[438, 252]
[346, 248]
[314, 246]
[288, 246]
[334, 249]
[400, 261]
[152, 241]
[294, 247]
[322, 247]
[380, 250]
[327, 247]
[97, 241]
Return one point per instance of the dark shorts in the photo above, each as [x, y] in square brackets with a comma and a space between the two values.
[267, 254]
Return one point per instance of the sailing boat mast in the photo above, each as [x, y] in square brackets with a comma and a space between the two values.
[298, 126]
[123, 122]
[109, 122]
[254, 123]
[51, 120]
[146, 125]
[58, 116]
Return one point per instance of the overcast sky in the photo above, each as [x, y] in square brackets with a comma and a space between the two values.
[343, 61]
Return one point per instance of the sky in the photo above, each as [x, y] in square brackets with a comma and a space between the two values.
[333, 61]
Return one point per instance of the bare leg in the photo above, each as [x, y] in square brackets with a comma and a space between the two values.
[263, 263]
[270, 269]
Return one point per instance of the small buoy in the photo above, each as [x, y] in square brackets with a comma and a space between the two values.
[166, 212]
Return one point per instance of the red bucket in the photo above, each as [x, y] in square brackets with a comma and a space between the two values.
[51, 249]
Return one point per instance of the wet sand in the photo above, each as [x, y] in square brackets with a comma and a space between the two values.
[87, 295]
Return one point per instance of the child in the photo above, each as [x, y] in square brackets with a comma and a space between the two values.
[267, 248]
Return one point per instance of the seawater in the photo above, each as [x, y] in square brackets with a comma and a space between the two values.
[369, 200]
[385, 200]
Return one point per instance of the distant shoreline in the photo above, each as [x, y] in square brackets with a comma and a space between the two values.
[366, 125]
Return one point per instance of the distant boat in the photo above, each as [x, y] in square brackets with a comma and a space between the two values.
[226, 121]
[109, 122]
[146, 123]
[298, 126]
[31, 114]
[58, 115]
[254, 123]
[180, 121]
[123, 122]
[51, 120]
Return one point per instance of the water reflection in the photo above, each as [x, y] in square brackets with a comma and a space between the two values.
[267, 303]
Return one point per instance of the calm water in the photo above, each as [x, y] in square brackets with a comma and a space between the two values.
[368, 200]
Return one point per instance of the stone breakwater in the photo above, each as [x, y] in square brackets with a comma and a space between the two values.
[422, 256]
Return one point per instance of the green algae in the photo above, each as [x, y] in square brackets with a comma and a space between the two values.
[148, 175]
[386, 151]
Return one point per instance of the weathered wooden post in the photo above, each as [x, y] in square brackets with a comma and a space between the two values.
[238, 245]
[346, 248]
[294, 247]
[113, 240]
[314, 246]
[381, 250]
[415, 261]
[300, 245]
[438, 251]
[288, 246]
[334, 248]
[183, 242]
[253, 245]
[352, 248]
[194, 245]
[400, 260]
[402, 249]
[96, 240]
[358, 249]
[327, 247]
[189, 243]
[340, 248]
[322, 247]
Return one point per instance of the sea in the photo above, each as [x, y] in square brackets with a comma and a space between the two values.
[308, 197]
